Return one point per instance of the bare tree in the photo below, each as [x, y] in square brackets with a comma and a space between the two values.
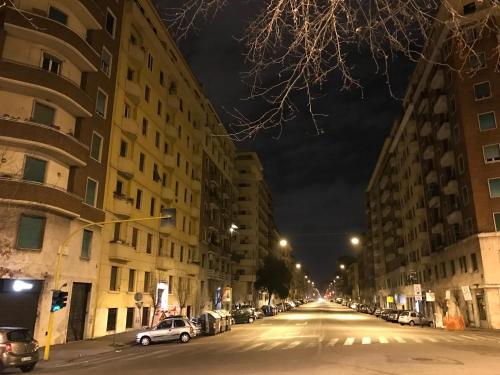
[296, 46]
[183, 291]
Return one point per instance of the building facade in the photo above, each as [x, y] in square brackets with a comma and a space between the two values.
[433, 196]
[56, 102]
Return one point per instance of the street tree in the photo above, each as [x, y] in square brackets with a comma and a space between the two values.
[296, 48]
[183, 291]
[274, 276]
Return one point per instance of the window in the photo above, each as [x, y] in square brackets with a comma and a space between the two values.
[465, 195]
[96, 147]
[159, 108]
[130, 74]
[482, 90]
[30, 232]
[123, 148]
[463, 264]
[106, 61]
[113, 280]
[58, 15]
[138, 199]
[491, 153]
[145, 316]
[145, 125]
[86, 243]
[135, 237]
[494, 185]
[101, 103]
[127, 110]
[170, 284]
[164, 179]
[34, 169]
[131, 280]
[176, 189]
[181, 256]
[443, 270]
[165, 148]
[157, 139]
[43, 114]
[162, 78]
[178, 160]
[147, 281]
[179, 323]
[150, 62]
[473, 259]
[142, 160]
[477, 61]
[147, 93]
[452, 267]
[51, 64]
[110, 23]
[149, 243]
[496, 218]
[172, 249]
[129, 322]
[91, 192]
[487, 121]
[111, 323]
[152, 207]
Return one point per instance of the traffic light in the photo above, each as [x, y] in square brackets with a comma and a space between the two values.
[59, 299]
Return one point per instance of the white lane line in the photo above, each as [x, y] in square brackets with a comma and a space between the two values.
[431, 339]
[469, 337]
[418, 340]
[366, 340]
[383, 340]
[399, 339]
[251, 347]
[292, 345]
[349, 341]
[301, 324]
[446, 338]
[332, 342]
[272, 346]
[311, 345]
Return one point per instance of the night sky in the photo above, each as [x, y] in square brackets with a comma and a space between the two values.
[318, 181]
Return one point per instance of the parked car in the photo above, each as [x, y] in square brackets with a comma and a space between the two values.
[378, 311]
[414, 318]
[338, 300]
[259, 314]
[385, 313]
[17, 349]
[170, 329]
[244, 315]
[197, 325]
[394, 316]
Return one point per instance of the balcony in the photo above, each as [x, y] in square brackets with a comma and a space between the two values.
[169, 162]
[130, 128]
[122, 205]
[413, 147]
[47, 140]
[36, 195]
[431, 177]
[437, 82]
[173, 102]
[429, 153]
[33, 81]
[164, 263]
[196, 185]
[136, 53]
[167, 229]
[426, 129]
[455, 217]
[195, 212]
[59, 37]
[451, 188]
[133, 91]
[441, 105]
[125, 167]
[193, 240]
[215, 275]
[121, 252]
[167, 194]
[448, 159]
[171, 132]
[437, 229]
[444, 132]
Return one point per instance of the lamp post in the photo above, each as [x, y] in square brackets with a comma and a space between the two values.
[283, 242]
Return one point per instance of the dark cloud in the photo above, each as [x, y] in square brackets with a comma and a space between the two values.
[318, 181]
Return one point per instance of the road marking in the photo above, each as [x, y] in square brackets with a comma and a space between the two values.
[301, 324]
[431, 339]
[383, 340]
[332, 342]
[251, 347]
[416, 339]
[311, 345]
[292, 345]
[469, 337]
[447, 338]
[399, 339]
[349, 341]
[272, 346]
[366, 340]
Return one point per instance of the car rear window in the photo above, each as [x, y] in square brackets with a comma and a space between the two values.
[179, 323]
[19, 335]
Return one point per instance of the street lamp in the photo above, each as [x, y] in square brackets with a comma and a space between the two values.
[233, 228]
[283, 242]
[309, 281]
[298, 266]
[355, 241]
[337, 277]
[342, 266]
[305, 277]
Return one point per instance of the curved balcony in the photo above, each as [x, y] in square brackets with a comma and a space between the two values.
[43, 196]
[169, 162]
[33, 81]
[451, 188]
[167, 194]
[426, 129]
[171, 132]
[429, 152]
[448, 159]
[441, 105]
[431, 177]
[195, 212]
[444, 132]
[59, 37]
[122, 205]
[196, 185]
[455, 217]
[136, 53]
[133, 91]
[125, 167]
[437, 82]
[123, 253]
[44, 139]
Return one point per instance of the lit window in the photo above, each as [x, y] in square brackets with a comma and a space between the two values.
[30, 232]
[487, 121]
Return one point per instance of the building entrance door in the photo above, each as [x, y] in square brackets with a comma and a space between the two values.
[78, 311]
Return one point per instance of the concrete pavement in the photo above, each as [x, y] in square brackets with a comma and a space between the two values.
[318, 338]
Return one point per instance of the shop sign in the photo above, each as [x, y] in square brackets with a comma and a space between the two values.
[390, 299]
[466, 292]
[430, 297]
[447, 295]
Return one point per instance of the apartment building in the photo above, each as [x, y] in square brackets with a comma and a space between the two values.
[161, 134]
[432, 201]
[217, 223]
[57, 73]
[253, 220]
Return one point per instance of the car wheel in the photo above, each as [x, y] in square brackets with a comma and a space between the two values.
[27, 368]
[402, 324]
[145, 341]
[250, 320]
[412, 323]
[185, 338]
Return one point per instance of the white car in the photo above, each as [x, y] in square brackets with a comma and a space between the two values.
[413, 318]
[170, 329]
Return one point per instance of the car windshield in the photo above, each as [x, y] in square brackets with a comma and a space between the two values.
[20, 335]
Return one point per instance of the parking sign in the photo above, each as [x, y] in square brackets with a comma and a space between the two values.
[417, 289]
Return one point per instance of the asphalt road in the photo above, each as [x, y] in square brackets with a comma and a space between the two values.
[317, 338]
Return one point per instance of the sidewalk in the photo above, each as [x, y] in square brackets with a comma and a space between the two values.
[72, 351]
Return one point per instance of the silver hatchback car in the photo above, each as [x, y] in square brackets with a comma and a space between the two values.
[17, 349]
[170, 329]
[414, 318]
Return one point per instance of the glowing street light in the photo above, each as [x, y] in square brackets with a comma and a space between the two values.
[355, 241]
[305, 277]
[283, 242]
[309, 281]
[337, 277]
[298, 266]
[233, 228]
[342, 266]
